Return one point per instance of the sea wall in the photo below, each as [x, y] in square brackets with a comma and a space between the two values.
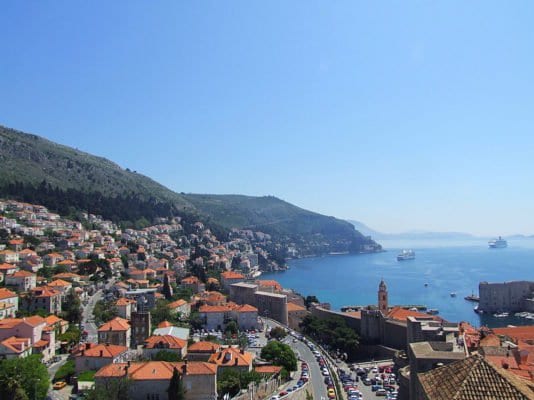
[505, 296]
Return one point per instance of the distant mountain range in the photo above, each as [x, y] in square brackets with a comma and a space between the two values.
[68, 180]
[421, 235]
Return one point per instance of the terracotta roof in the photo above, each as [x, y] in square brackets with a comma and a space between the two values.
[52, 319]
[164, 324]
[164, 342]
[41, 343]
[66, 275]
[100, 350]
[516, 333]
[270, 283]
[232, 275]
[6, 294]
[203, 347]
[213, 309]
[123, 301]
[44, 291]
[267, 369]
[473, 379]
[155, 370]
[59, 283]
[228, 357]
[246, 308]
[6, 266]
[17, 345]
[116, 324]
[402, 314]
[295, 307]
[190, 280]
[491, 341]
[4, 305]
[177, 303]
[22, 274]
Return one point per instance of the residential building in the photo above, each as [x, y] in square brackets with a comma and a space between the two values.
[155, 344]
[41, 336]
[9, 302]
[9, 256]
[92, 356]
[202, 351]
[117, 332]
[180, 306]
[193, 283]
[44, 298]
[125, 307]
[151, 379]
[14, 347]
[232, 358]
[23, 280]
[229, 278]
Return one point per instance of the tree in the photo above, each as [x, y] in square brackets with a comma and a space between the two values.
[167, 290]
[231, 327]
[280, 354]
[65, 372]
[23, 378]
[332, 331]
[110, 389]
[72, 308]
[166, 355]
[278, 333]
[176, 387]
[161, 312]
[104, 311]
[309, 300]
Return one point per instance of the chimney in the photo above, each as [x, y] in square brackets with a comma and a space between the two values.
[235, 361]
[242, 351]
[88, 345]
[83, 352]
[101, 353]
[184, 368]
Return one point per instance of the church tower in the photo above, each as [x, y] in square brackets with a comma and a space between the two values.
[383, 298]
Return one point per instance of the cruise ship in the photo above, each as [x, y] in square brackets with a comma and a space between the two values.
[406, 255]
[497, 243]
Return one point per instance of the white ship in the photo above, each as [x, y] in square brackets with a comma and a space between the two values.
[499, 243]
[406, 255]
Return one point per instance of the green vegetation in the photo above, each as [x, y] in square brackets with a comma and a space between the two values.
[332, 332]
[309, 300]
[161, 312]
[176, 388]
[231, 381]
[87, 376]
[71, 336]
[72, 308]
[278, 333]
[23, 378]
[104, 311]
[68, 181]
[65, 372]
[110, 389]
[280, 354]
[166, 355]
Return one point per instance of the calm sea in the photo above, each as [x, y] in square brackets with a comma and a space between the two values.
[446, 266]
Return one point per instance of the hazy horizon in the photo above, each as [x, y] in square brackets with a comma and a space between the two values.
[404, 116]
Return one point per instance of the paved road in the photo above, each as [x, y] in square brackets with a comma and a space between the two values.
[87, 314]
[316, 381]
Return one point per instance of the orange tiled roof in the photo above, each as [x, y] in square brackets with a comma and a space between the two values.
[123, 301]
[516, 333]
[6, 266]
[267, 369]
[228, 357]
[59, 283]
[101, 350]
[232, 275]
[401, 314]
[44, 291]
[155, 370]
[204, 347]
[66, 275]
[164, 324]
[116, 324]
[490, 341]
[177, 303]
[246, 308]
[52, 319]
[213, 309]
[6, 294]
[22, 274]
[164, 341]
[270, 283]
[16, 344]
[190, 280]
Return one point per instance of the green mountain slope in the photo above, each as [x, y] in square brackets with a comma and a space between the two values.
[64, 179]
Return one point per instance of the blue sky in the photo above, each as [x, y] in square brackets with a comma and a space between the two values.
[403, 115]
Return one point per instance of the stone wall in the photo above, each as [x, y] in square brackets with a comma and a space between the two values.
[504, 297]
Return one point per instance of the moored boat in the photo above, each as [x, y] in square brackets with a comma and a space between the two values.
[406, 255]
[498, 243]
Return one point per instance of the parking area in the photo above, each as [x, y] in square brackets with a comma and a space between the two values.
[369, 381]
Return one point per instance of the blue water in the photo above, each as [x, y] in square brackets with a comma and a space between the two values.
[451, 266]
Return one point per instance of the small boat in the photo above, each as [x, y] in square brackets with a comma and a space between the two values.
[472, 297]
[406, 255]
[426, 284]
[433, 311]
[453, 294]
[499, 243]
[476, 309]
[501, 315]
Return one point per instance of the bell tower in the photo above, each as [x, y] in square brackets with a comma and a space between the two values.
[383, 298]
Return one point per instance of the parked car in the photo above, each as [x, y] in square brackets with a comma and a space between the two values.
[59, 385]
